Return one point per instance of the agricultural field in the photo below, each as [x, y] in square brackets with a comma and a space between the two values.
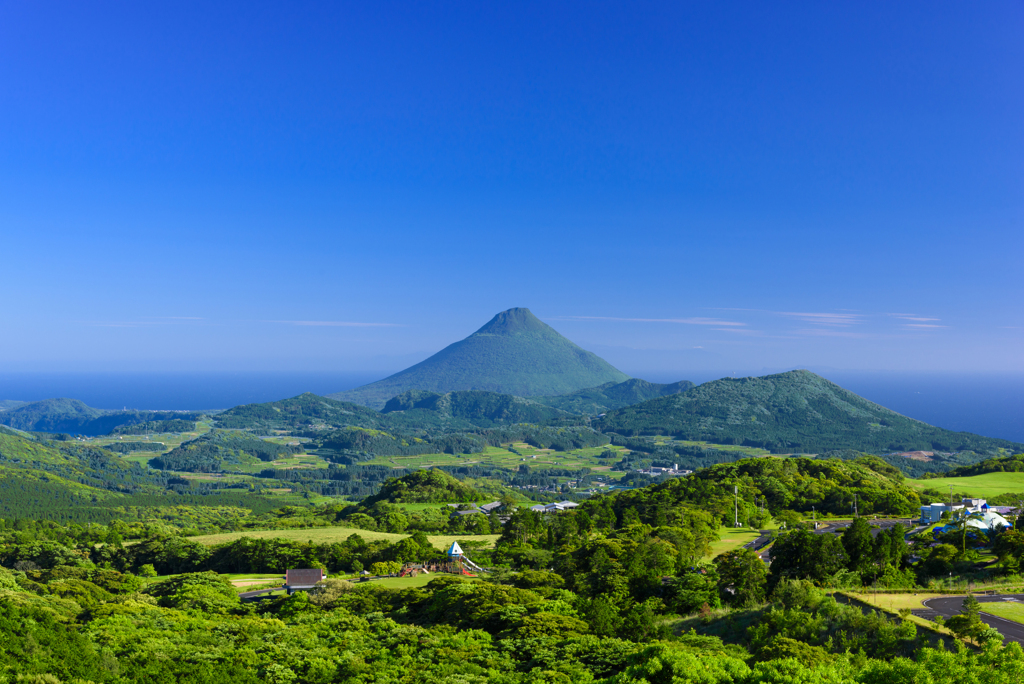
[745, 450]
[322, 535]
[538, 459]
[985, 486]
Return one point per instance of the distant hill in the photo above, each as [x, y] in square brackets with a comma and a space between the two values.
[796, 411]
[612, 395]
[217, 448]
[472, 408]
[306, 411]
[75, 417]
[515, 353]
[8, 404]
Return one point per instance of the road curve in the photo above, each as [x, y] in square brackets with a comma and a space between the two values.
[949, 606]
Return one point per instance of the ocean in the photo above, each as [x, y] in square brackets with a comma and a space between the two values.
[985, 404]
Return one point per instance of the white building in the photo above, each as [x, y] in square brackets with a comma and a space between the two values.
[933, 512]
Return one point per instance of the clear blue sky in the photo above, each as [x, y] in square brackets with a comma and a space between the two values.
[351, 186]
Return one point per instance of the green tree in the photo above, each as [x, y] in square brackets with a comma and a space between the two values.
[858, 545]
[968, 625]
[742, 577]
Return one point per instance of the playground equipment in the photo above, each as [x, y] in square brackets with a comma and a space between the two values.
[457, 564]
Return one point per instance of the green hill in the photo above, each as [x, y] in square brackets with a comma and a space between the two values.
[423, 486]
[796, 411]
[306, 411]
[75, 417]
[469, 408]
[801, 484]
[515, 353]
[612, 395]
[8, 404]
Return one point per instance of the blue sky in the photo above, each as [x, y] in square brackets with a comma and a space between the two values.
[352, 186]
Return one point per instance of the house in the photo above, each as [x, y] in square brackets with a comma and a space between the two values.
[554, 507]
[485, 509]
[303, 579]
[932, 513]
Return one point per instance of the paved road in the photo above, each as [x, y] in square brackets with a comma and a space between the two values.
[949, 606]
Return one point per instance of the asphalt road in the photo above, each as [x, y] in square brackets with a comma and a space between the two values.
[949, 606]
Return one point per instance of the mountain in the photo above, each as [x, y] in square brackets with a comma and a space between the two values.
[8, 404]
[306, 411]
[75, 417]
[796, 411]
[515, 353]
[472, 407]
[612, 395]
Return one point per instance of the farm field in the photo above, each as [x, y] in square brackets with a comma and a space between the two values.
[336, 534]
[984, 486]
[1007, 611]
[538, 459]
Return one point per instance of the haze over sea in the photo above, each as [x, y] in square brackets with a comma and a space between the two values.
[985, 404]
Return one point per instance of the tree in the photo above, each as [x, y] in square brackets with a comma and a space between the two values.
[961, 524]
[742, 576]
[858, 545]
[788, 520]
[968, 624]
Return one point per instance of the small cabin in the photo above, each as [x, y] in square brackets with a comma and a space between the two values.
[303, 579]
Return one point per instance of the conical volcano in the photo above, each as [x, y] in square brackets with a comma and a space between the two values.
[515, 353]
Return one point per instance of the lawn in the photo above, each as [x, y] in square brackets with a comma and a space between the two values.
[894, 602]
[324, 535]
[1008, 610]
[732, 538]
[407, 582]
[985, 486]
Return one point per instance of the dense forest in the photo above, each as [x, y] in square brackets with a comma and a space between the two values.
[790, 412]
[75, 417]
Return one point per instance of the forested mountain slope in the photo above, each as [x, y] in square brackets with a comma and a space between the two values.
[302, 412]
[796, 411]
[514, 353]
[827, 485]
[613, 395]
[468, 408]
[75, 417]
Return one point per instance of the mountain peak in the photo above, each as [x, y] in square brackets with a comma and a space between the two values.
[515, 353]
[516, 320]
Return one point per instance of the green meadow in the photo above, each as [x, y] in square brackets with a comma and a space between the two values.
[986, 486]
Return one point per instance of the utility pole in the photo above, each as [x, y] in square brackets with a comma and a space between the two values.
[736, 502]
[951, 499]
[855, 506]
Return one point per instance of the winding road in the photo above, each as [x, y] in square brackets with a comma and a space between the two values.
[949, 606]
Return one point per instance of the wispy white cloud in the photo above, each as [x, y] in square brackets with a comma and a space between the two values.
[833, 319]
[826, 332]
[340, 324]
[915, 318]
[684, 321]
[918, 326]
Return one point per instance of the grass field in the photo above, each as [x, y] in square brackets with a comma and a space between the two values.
[406, 582]
[1007, 611]
[896, 602]
[323, 535]
[734, 537]
[984, 486]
